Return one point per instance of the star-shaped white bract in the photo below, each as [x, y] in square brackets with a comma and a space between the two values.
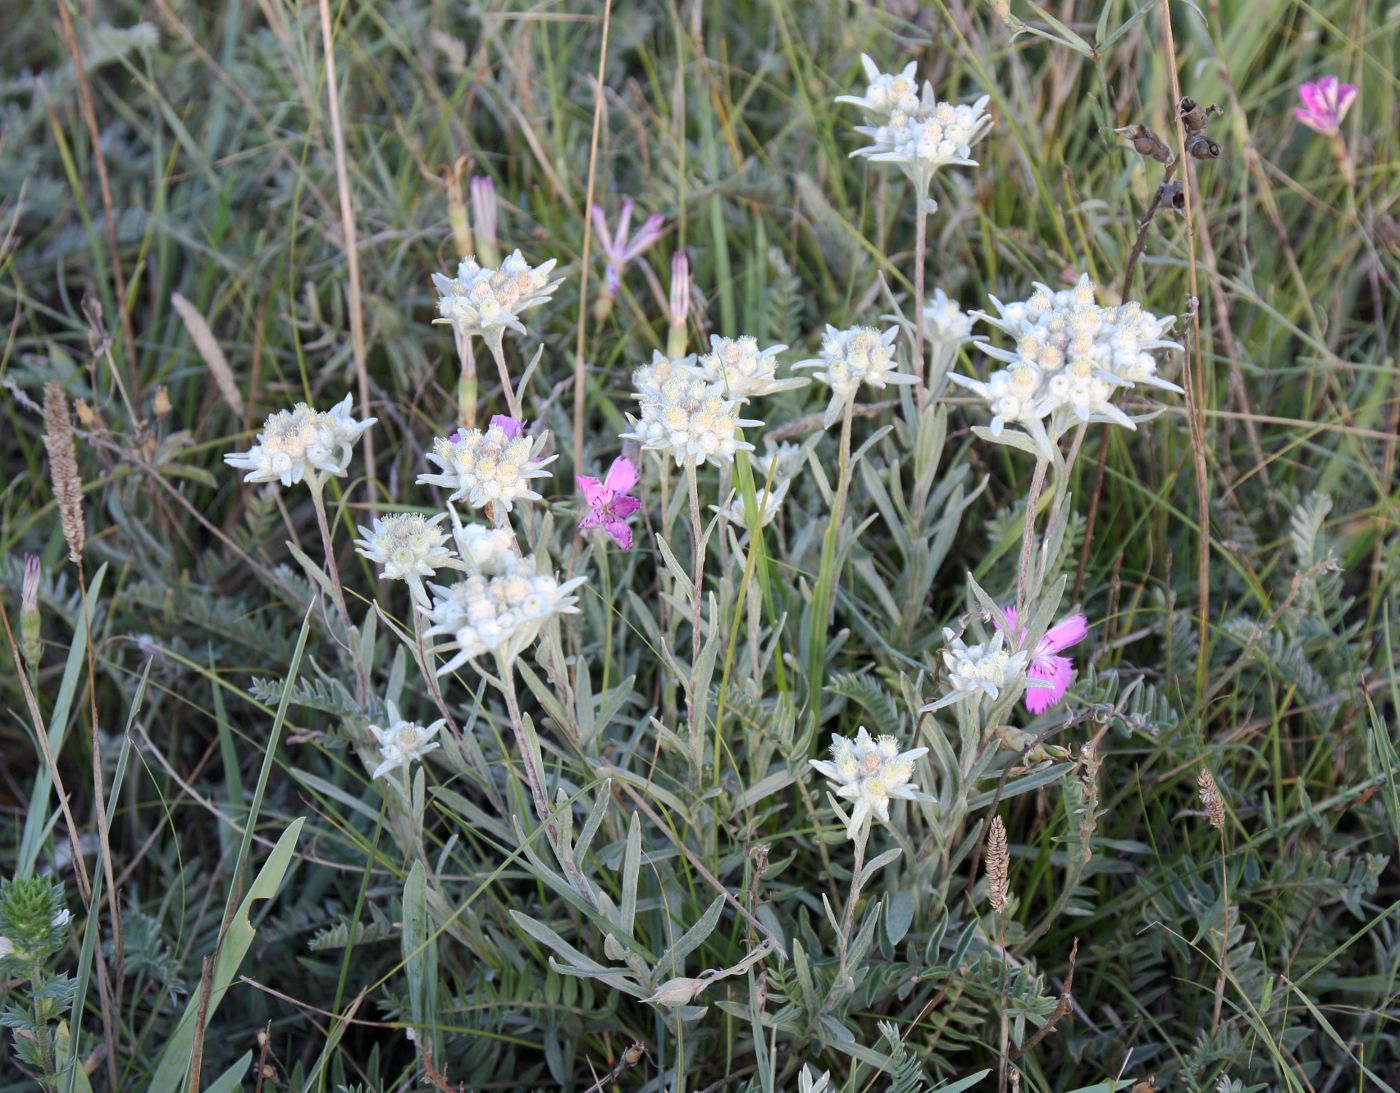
[870, 772]
[401, 742]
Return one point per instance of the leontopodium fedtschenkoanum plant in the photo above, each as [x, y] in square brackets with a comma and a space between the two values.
[1069, 360]
[976, 671]
[860, 354]
[619, 246]
[302, 444]
[1325, 104]
[610, 502]
[410, 547]
[484, 302]
[870, 772]
[686, 417]
[494, 466]
[1046, 664]
[909, 126]
[742, 369]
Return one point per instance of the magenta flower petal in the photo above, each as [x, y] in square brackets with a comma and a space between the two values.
[509, 425]
[625, 506]
[1063, 634]
[594, 491]
[620, 532]
[621, 476]
[1058, 671]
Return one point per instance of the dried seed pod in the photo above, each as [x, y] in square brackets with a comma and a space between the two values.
[998, 861]
[1173, 197]
[1145, 142]
[1202, 147]
[1193, 115]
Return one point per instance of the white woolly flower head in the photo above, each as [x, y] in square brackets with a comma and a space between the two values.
[409, 545]
[742, 370]
[487, 302]
[689, 419]
[909, 126]
[485, 551]
[870, 772]
[859, 354]
[302, 443]
[492, 466]
[945, 322]
[977, 670]
[784, 461]
[770, 502]
[1070, 359]
[401, 741]
[501, 615]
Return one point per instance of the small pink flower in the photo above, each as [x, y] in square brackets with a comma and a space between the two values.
[509, 425]
[620, 248]
[1325, 104]
[609, 503]
[1046, 664]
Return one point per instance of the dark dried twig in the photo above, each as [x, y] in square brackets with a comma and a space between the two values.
[1061, 1008]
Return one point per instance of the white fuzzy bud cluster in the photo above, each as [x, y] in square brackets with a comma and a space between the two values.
[1070, 359]
[870, 772]
[302, 443]
[494, 466]
[683, 415]
[742, 370]
[487, 302]
[977, 670]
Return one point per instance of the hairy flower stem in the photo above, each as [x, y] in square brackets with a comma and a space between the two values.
[697, 566]
[317, 486]
[498, 351]
[1023, 583]
[1224, 937]
[466, 380]
[533, 778]
[852, 897]
[829, 575]
[920, 247]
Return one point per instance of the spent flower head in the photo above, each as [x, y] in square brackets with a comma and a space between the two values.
[976, 670]
[492, 466]
[1325, 104]
[742, 370]
[870, 772]
[302, 443]
[485, 302]
[402, 741]
[683, 416]
[1070, 359]
[500, 615]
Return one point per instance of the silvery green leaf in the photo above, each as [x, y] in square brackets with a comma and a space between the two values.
[1025, 784]
[676, 571]
[1011, 438]
[631, 869]
[674, 957]
[766, 787]
[900, 915]
[601, 800]
[875, 864]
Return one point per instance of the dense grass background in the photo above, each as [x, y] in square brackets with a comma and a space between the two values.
[1278, 673]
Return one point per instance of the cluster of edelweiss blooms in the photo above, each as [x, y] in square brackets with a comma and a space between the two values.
[1069, 359]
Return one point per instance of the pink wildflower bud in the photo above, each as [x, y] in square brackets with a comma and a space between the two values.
[484, 210]
[680, 304]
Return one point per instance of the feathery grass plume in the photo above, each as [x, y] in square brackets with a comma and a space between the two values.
[1210, 799]
[63, 468]
[998, 865]
[209, 351]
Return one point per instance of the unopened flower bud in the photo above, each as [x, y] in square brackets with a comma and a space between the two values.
[30, 624]
[160, 405]
[483, 198]
[680, 304]
[1145, 142]
[677, 992]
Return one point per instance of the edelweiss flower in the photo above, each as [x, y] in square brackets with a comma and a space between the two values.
[686, 417]
[403, 742]
[769, 504]
[1055, 671]
[495, 466]
[1072, 357]
[485, 551]
[860, 354]
[870, 773]
[501, 615]
[408, 545]
[975, 670]
[487, 302]
[742, 370]
[302, 443]
[945, 322]
[908, 125]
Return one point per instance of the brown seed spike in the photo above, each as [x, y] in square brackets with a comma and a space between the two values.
[998, 864]
[1210, 798]
[63, 468]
